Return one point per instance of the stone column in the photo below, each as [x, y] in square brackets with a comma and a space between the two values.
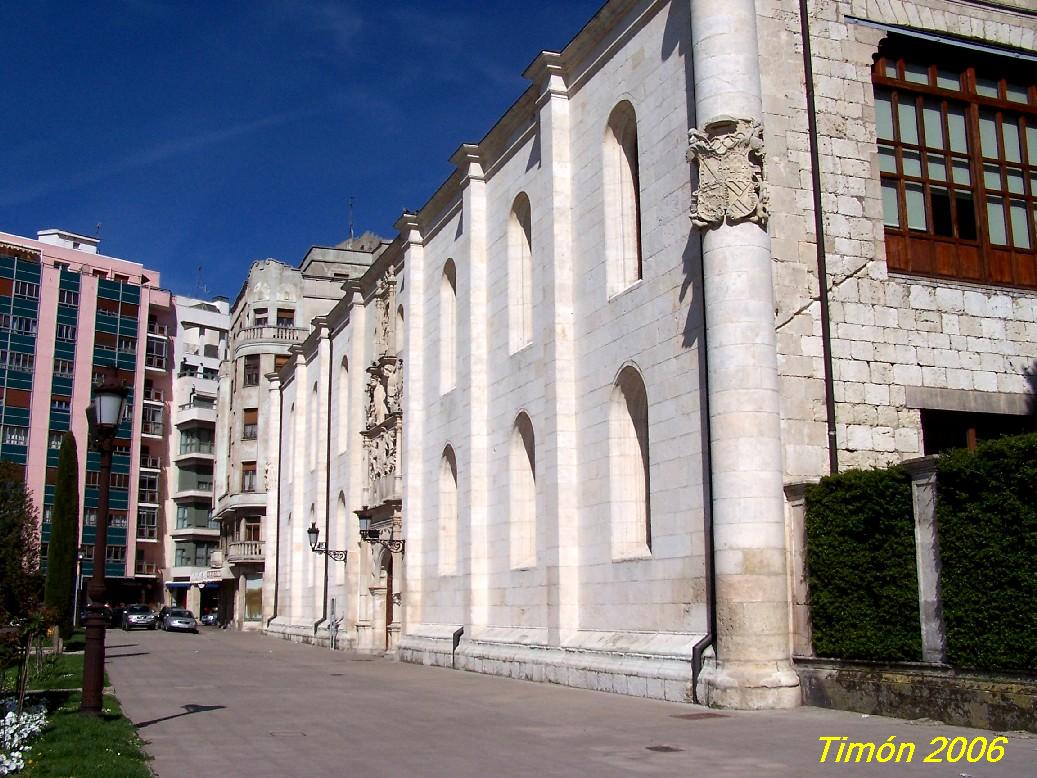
[799, 592]
[753, 667]
[927, 558]
[272, 516]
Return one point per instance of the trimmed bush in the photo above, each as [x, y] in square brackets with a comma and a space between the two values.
[59, 592]
[987, 530]
[860, 556]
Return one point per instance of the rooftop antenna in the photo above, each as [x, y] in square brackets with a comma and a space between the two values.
[202, 289]
[351, 220]
[97, 230]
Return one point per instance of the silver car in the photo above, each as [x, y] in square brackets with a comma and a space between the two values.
[138, 617]
[178, 619]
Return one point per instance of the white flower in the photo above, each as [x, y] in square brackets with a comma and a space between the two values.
[15, 732]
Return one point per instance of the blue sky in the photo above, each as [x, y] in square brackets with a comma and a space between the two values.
[209, 134]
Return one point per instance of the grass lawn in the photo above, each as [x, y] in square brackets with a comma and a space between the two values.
[59, 672]
[76, 746]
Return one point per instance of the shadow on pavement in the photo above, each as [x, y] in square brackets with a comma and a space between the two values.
[109, 655]
[188, 710]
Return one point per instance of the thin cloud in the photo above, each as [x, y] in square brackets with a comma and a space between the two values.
[147, 156]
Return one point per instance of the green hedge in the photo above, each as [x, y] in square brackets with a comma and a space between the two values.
[860, 556]
[987, 529]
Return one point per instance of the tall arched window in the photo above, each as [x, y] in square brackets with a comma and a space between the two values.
[629, 483]
[522, 496]
[448, 327]
[448, 517]
[520, 274]
[622, 199]
[343, 406]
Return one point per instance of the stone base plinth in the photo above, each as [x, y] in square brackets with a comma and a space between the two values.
[749, 686]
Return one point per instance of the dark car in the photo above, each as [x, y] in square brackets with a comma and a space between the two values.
[139, 617]
[107, 616]
[161, 618]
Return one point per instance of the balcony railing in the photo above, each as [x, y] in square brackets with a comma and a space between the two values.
[155, 395]
[287, 334]
[151, 463]
[155, 361]
[157, 329]
[145, 568]
[245, 551]
[205, 403]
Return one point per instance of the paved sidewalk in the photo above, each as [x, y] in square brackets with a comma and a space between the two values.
[233, 704]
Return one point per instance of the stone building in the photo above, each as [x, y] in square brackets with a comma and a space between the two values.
[271, 314]
[602, 398]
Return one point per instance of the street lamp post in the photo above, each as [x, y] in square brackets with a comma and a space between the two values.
[322, 548]
[103, 415]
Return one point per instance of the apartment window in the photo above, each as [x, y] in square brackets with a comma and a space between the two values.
[68, 297]
[118, 520]
[152, 420]
[123, 450]
[54, 440]
[957, 149]
[16, 360]
[25, 325]
[16, 436]
[197, 441]
[187, 370]
[127, 345]
[155, 353]
[285, 317]
[248, 476]
[250, 423]
[120, 481]
[115, 554]
[61, 406]
[280, 360]
[252, 531]
[48, 515]
[148, 491]
[66, 333]
[210, 373]
[63, 368]
[90, 514]
[5, 321]
[27, 290]
[259, 317]
[88, 551]
[93, 478]
[252, 370]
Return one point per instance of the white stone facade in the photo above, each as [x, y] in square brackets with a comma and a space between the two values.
[572, 347]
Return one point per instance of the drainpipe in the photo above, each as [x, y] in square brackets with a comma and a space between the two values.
[327, 479]
[819, 230]
[710, 638]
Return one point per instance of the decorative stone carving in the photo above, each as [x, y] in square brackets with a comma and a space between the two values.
[381, 453]
[730, 156]
[384, 299]
[393, 386]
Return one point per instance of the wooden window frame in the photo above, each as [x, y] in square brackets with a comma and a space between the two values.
[926, 252]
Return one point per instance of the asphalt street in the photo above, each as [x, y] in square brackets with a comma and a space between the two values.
[241, 704]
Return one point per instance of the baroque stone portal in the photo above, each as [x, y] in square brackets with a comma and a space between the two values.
[730, 156]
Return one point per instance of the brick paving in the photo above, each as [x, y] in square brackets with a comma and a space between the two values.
[232, 704]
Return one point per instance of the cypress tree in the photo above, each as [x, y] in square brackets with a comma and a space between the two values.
[64, 537]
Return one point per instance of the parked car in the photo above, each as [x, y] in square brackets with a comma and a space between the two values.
[139, 617]
[160, 620]
[180, 620]
[107, 616]
[209, 618]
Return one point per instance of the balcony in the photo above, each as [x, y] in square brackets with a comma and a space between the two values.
[196, 412]
[271, 333]
[198, 450]
[148, 496]
[150, 463]
[155, 362]
[153, 395]
[157, 329]
[195, 533]
[245, 552]
[145, 569]
[153, 428]
[245, 502]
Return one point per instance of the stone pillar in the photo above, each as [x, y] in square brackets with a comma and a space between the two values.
[752, 668]
[559, 544]
[272, 516]
[927, 558]
[799, 592]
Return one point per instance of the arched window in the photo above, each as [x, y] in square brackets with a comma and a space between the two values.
[343, 406]
[629, 483]
[448, 517]
[448, 327]
[622, 199]
[522, 496]
[399, 330]
[520, 274]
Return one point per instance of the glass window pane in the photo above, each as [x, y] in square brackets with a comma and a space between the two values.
[961, 173]
[884, 116]
[988, 134]
[933, 122]
[1016, 93]
[941, 210]
[966, 212]
[946, 79]
[890, 208]
[986, 86]
[956, 127]
[887, 159]
[912, 164]
[1020, 229]
[908, 122]
[996, 221]
[915, 207]
[891, 69]
[1010, 132]
[916, 74]
[1015, 182]
[992, 176]
[937, 167]
[1031, 144]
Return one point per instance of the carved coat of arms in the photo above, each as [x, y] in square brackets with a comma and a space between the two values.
[730, 156]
